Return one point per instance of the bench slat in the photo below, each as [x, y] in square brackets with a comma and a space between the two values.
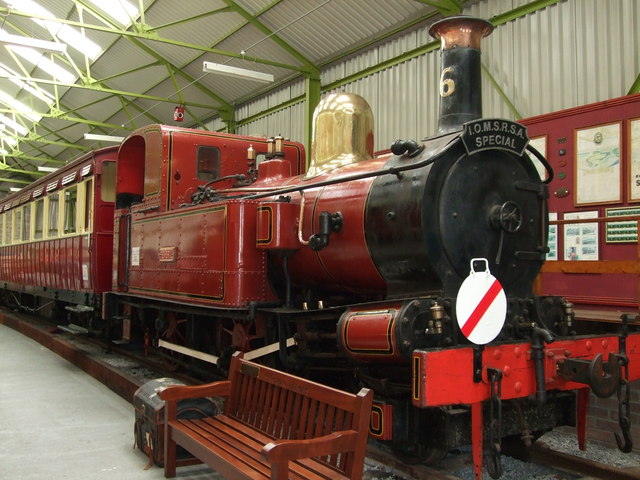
[309, 464]
[239, 444]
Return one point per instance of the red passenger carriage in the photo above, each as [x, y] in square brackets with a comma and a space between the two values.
[57, 235]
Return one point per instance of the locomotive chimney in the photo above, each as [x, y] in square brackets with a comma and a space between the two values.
[460, 84]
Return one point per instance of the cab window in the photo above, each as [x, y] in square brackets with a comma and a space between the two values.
[208, 167]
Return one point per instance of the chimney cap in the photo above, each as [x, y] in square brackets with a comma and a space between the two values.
[460, 31]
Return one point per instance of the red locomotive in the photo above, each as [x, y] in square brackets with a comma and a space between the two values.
[411, 273]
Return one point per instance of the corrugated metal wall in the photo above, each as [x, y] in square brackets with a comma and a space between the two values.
[569, 54]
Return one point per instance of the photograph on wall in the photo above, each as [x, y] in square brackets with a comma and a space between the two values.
[598, 173]
[540, 144]
[581, 239]
[552, 241]
[634, 159]
[625, 231]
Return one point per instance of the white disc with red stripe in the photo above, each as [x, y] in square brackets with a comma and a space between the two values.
[481, 306]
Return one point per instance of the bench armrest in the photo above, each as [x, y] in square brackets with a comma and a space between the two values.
[336, 442]
[181, 392]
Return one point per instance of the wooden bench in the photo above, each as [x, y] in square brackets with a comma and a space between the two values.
[274, 425]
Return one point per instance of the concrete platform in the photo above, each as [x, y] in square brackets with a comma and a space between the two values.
[57, 422]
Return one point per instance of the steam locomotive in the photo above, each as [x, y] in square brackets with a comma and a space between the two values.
[411, 273]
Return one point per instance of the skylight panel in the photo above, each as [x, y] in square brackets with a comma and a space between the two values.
[121, 11]
[19, 107]
[77, 40]
[32, 89]
[13, 125]
[45, 64]
[70, 35]
[8, 140]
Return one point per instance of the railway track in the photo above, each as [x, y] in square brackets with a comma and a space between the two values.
[123, 372]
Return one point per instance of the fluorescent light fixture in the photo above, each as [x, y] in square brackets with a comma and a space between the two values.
[46, 169]
[14, 189]
[103, 138]
[54, 47]
[211, 67]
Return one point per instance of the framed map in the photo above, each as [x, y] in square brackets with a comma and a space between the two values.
[598, 174]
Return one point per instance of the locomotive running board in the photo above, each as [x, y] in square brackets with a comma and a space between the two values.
[206, 357]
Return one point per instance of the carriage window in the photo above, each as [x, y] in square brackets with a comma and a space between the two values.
[208, 163]
[17, 223]
[52, 229]
[88, 204]
[26, 223]
[7, 227]
[39, 219]
[108, 190]
[70, 206]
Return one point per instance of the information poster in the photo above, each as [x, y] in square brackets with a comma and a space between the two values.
[581, 239]
[540, 144]
[552, 242]
[598, 173]
[634, 159]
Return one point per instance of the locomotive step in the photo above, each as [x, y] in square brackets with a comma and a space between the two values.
[73, 329]
[79, 308]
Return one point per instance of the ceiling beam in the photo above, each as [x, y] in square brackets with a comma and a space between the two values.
[445, 7]
[64, 116]
[15, 180]
[311, 67]
[98, 88]
[17, 170]
[152, 36]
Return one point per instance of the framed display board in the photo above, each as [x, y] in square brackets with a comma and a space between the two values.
[552, 242]
[598, 176]
[581, 239]
[622, 232]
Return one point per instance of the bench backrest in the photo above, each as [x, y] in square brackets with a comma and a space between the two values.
[284, 406]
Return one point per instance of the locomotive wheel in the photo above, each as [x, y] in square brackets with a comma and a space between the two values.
[174, 333]
[412, 454]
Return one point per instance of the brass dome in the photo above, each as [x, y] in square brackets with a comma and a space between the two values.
[342, 133]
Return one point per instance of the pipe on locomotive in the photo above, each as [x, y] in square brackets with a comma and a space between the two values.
[460, 82]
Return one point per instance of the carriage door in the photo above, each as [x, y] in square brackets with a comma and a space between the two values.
[124, 251]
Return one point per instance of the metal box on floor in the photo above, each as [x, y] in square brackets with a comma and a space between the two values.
[149, 417]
